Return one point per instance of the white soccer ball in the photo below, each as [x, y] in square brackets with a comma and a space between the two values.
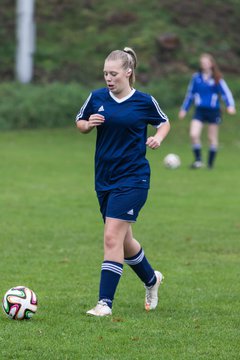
[19, 303]
[172, 161]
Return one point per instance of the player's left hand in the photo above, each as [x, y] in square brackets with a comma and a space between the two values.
[231, 110]
[153, 142]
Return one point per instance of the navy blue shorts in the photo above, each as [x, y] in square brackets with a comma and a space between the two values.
[122, 203]
[210, 116]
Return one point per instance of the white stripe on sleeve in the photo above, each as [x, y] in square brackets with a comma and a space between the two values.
[228, 95]
[80, 114]
[159, 110]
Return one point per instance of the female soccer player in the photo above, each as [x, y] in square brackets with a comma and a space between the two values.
[121, 115]
[205, 89]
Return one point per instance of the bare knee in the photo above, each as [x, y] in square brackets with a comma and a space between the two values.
[110, 241]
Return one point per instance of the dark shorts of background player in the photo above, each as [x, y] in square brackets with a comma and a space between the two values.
[122, 203]
[210, 116]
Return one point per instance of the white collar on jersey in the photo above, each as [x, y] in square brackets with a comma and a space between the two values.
[124, 98]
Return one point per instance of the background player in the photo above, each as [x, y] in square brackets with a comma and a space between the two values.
[205, 89]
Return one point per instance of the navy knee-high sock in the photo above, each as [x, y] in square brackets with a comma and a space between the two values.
[110, 276]
[212, 156]
[142, 268]
[197, 151]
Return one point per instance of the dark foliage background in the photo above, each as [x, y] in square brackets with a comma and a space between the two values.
[74, 37]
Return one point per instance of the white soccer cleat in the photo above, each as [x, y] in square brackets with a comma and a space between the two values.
[151, 299]
[197, 165]
[101, 309]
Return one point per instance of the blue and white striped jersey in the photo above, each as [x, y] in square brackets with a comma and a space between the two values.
[120, 146]
[207, 93]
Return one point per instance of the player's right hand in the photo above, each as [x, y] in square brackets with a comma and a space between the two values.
[182, 113]
[95, 120]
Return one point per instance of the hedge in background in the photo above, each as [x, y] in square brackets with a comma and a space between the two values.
[56, 104]
[37, 106]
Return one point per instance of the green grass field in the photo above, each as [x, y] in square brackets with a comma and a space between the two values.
[51, 241]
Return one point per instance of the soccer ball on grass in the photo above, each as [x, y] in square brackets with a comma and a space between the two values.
[172, 161]
[19, 303]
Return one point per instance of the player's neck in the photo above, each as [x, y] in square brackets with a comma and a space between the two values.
[124, 93]
[207, 74]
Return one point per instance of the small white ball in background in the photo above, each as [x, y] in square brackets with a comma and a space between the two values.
[172, 161]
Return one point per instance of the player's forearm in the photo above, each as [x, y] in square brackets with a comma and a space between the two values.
[162, 131]
[83, 126]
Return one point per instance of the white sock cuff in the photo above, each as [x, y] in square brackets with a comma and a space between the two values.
[113, 267]
[135, 259]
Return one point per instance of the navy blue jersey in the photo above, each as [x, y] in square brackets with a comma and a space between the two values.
[120, 146]
[206, 93]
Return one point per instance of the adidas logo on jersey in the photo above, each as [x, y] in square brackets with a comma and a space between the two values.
[130, 212]
[101, 108]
